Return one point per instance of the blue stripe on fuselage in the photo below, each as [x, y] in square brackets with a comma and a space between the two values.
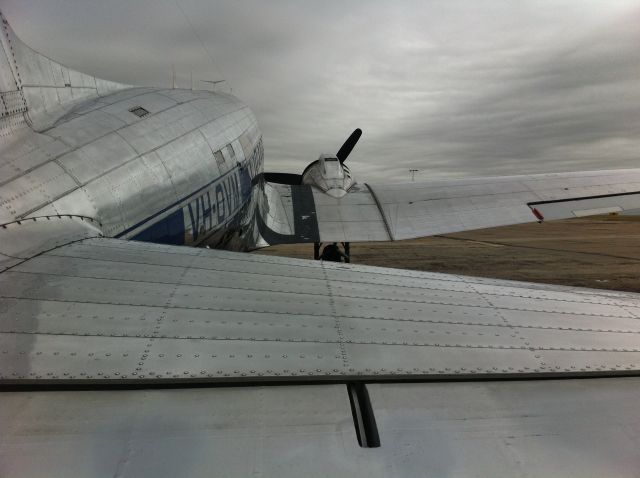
[217, 203]
[169, 230]
[215, 206]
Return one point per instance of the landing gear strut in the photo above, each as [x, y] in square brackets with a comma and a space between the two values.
[347, 251]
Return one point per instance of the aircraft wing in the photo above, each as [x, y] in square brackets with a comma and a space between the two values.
[80, 322]
[383, 212]
[104, 310]
[80, 319]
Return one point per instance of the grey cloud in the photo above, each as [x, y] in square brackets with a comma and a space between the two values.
[453, 88]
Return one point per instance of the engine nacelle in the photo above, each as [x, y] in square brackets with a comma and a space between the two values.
[329, 175]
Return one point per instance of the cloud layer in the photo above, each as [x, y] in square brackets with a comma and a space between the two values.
[452, 88]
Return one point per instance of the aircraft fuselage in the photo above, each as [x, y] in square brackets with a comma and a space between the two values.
[167, 166]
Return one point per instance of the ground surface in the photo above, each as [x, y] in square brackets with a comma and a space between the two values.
[600, 252]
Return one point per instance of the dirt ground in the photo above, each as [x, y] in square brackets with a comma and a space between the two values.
[599, 252]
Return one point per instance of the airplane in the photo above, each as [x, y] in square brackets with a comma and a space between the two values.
[138, 339]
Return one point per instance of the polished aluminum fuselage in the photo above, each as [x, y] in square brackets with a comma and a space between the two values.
[183, 173]
[81, 156]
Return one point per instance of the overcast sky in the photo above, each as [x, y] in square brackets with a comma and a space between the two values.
[452, 88]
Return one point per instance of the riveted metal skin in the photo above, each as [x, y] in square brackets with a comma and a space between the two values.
[109, 310]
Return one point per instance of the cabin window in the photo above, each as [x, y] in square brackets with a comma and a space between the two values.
[139, 111]
[231, 151]
[219, 158]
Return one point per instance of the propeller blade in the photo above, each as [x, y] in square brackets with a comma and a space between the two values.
[348, 145]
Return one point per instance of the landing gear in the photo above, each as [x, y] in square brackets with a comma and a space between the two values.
[336, 257]
[347, 251]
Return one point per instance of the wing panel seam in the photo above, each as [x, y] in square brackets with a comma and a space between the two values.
[379, 205]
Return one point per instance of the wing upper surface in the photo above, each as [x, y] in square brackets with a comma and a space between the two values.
[382, 212]
[110, 310]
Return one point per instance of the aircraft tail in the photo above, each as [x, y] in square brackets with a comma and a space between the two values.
[35, 90]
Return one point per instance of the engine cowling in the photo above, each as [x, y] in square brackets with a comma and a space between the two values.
[329, 175]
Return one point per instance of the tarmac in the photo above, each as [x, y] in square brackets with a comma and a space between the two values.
[597, 252]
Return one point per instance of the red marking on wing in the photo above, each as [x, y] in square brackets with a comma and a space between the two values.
[537, 214]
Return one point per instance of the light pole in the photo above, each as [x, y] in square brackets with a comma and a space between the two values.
[413, 173]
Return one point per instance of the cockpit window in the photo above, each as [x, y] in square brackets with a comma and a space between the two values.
[231, 151]
[219, 158]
